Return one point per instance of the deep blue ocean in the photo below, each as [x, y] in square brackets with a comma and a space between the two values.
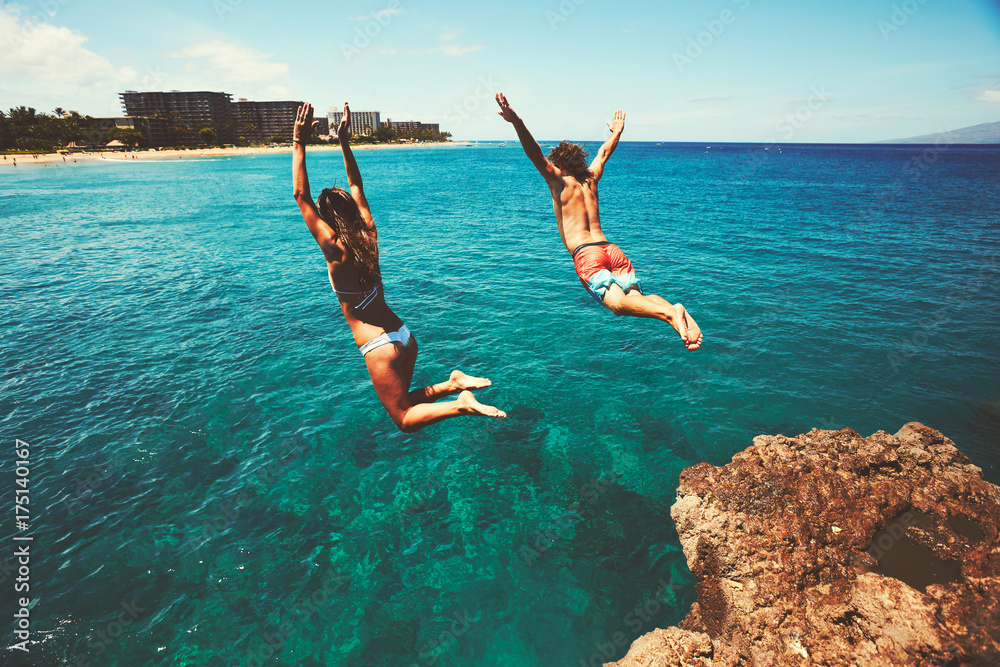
[214, 482]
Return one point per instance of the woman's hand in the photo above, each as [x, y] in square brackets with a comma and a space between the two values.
[345, 122]
[304, 124]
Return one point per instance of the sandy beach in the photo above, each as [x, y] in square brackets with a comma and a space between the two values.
[128, 156]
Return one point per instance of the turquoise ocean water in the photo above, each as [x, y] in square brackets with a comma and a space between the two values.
[213, 481]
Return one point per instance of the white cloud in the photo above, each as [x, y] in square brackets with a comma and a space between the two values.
[449, 34]
[990, 96]
[381, 15]
[446, 46]
[456, 50]
[225, 63]
[51, 54]
[45, 66]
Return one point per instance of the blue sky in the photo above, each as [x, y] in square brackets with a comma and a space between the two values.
[718, 70]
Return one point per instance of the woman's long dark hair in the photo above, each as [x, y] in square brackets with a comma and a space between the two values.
[339, 210]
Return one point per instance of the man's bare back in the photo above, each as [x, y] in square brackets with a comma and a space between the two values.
[603, 269]
[577, 215]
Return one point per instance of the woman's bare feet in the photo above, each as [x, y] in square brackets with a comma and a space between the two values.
[468, 405]
[686, 327]
[462, 381]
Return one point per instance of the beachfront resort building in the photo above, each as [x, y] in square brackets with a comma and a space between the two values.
[261, 121]
[187, 111]
[177, 116]
[410, 126]
[362, 122]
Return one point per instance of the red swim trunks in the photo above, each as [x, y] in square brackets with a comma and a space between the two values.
[599, 265]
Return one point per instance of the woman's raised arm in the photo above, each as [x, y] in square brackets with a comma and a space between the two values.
[351, 165]
[304, 125]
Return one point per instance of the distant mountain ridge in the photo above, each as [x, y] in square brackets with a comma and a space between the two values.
[984, 133]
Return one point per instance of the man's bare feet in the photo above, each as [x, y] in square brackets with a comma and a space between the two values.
[468, 405]
[686, 327]
[462, 381]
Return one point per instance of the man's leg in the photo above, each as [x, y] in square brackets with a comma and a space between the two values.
[635, 304]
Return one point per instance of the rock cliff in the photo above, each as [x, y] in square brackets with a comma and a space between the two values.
[833, 549]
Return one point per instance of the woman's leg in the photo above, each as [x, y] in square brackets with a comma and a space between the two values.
[391, 368]
[456, 382]
[425, 414]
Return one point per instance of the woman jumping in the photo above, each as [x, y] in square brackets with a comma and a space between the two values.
[343, 226]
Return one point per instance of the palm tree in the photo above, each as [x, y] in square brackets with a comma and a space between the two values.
[229, 130]
[250, 132]
[174, 125]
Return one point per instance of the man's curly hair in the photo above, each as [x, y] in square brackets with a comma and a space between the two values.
[572, 159]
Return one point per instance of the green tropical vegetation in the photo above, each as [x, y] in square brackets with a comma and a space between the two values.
[387, 134]
[207, 135]
[129, 137]
[24, 129]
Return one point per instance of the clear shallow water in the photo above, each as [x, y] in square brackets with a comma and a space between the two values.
[209, 453]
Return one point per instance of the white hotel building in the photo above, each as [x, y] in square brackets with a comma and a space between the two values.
[362, 122]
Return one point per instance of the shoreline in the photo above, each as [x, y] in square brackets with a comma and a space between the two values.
[45, 159]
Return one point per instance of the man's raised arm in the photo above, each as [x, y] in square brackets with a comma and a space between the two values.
[528, 143]
[617, 126]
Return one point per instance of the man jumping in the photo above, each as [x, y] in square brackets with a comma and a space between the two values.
[601, 266]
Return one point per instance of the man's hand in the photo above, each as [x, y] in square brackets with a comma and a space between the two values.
[505, 111]
[345, 121]
[304, 124]
[617, 123]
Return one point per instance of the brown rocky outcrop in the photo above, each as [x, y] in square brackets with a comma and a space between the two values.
[833, 549]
